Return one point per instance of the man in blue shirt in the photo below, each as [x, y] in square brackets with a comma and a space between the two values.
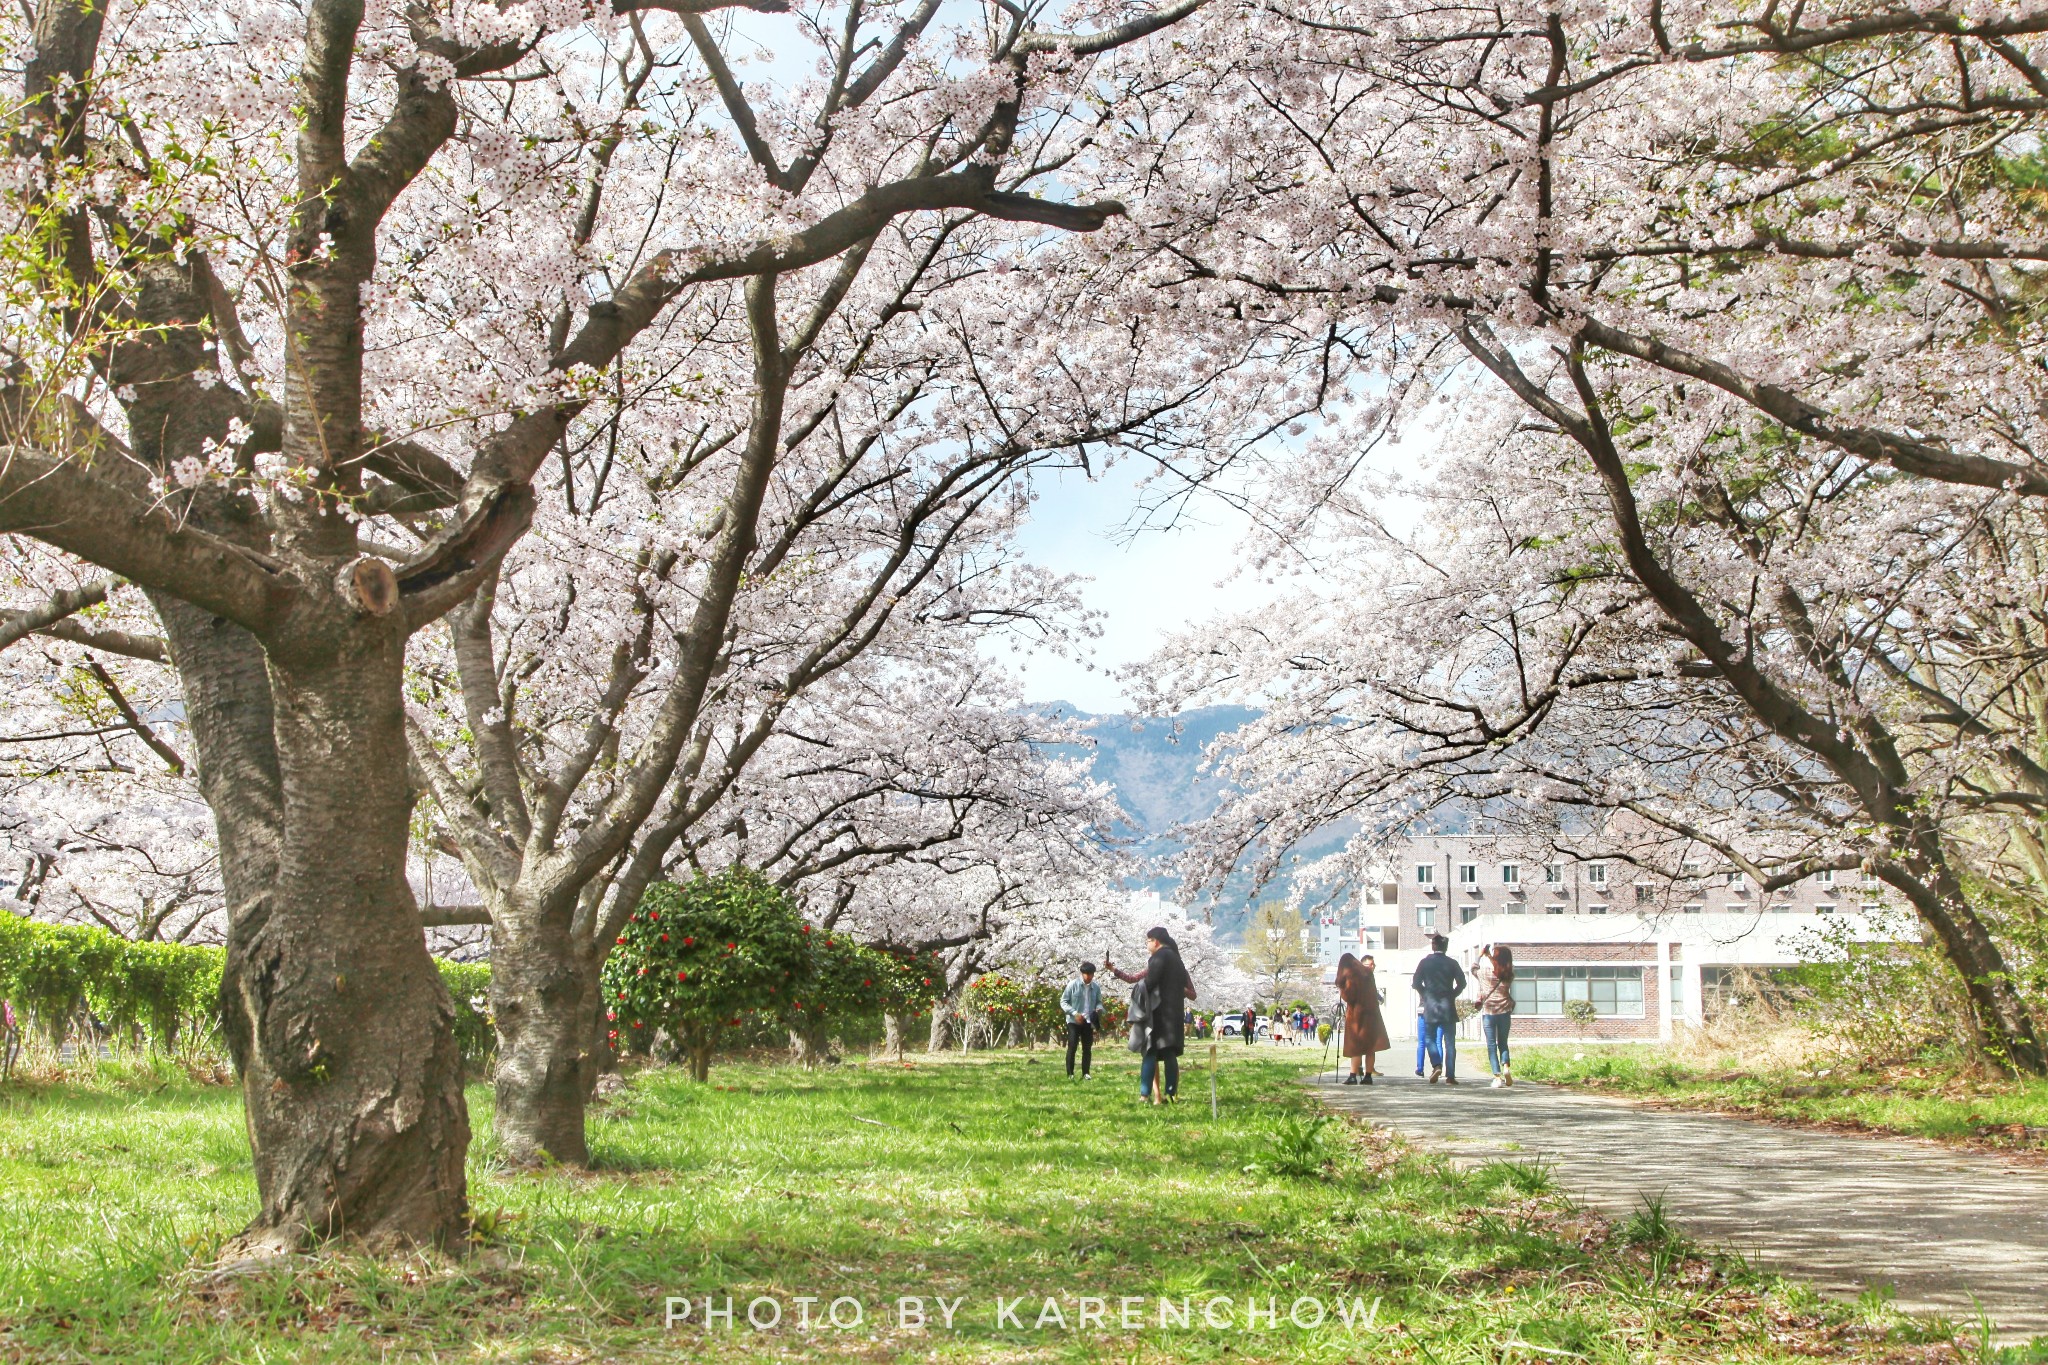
[1081, 1002]
[1438, 979]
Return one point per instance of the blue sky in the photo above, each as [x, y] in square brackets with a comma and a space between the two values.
[1146, 580]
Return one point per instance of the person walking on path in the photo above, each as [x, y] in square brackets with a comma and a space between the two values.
[1438, 980]
[1167, 989]
[1081, 1002]
[1251, 1024]
[1365, 1032]
[1494, 976]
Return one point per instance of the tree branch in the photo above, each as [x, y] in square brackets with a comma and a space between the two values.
[69, 602]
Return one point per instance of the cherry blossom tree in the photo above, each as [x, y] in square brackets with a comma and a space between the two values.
[302, 303]
[1766, 275]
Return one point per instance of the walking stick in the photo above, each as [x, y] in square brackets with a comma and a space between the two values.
[1212, 1078]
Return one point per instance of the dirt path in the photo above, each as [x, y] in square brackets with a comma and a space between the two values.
[1842, 1212]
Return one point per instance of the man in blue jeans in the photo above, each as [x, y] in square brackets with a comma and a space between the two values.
[1081, 1002]
[1438, 980]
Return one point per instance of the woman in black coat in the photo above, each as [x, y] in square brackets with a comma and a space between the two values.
[1166, 986]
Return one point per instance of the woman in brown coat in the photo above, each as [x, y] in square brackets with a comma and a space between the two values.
[1365, 1032]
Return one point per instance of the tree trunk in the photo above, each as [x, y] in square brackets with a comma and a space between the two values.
[351, 1078]
[544, 998]
[940, 1034]
[2001, 1022]
[700, 1057]
[892, 1034]
[810, 1046]
[1016, 1038]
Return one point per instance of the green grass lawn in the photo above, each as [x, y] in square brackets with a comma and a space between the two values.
[1920, 1101]
[967, 1178]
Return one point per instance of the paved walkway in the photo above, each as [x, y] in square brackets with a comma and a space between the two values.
[1840, 1212]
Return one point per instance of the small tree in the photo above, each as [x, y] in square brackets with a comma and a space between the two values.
[995, 1002]
[697, 957]
[1276, 954]
[912, 985]
[846, 980]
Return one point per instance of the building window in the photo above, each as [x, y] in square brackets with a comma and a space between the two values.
[1468, 913]
[1468, 874]
[1391, 937]
[1870, 878]
[1517, 908]
[1694, 908]
[1596, 873]
[1615, 992]
[1425, 874]
[1553, 874]
[1735, 882]
[1826, 876]
[1425, 915]
[1737, 909]
[1553, 909]
[1872, 908]
[1597, 908]
[1510, 874]
[1645, 893]
[1690, 869]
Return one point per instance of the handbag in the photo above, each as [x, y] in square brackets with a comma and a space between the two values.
[1140, 1031]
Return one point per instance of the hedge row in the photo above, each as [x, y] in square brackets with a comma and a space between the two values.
[165, 991]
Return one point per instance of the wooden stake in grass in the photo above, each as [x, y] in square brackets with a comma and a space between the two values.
[1212, 1078]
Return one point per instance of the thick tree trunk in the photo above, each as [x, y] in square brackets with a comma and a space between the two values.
[544, 996]
[940, 1034]
[225, 684]
[351, 1078]
[893, 1029]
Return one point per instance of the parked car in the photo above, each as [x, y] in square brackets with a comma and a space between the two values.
[1232, 1026]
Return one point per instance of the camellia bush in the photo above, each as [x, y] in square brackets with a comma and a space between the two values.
[845, 981]
[1002, 1001]
[699, 956]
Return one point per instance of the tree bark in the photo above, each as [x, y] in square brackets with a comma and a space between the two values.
[940, 1034]
[698, 1049]
[545, 998]
[810, 1047]
[351, 1079]
[893, 1029]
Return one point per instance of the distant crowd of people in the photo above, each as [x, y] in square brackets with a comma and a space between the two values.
[1162, 1015]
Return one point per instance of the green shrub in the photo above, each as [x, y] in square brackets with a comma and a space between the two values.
[1003, 999]
[697, 957]
[168, 993]
[1580, 1012]
[469, 983]
[164, 991]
